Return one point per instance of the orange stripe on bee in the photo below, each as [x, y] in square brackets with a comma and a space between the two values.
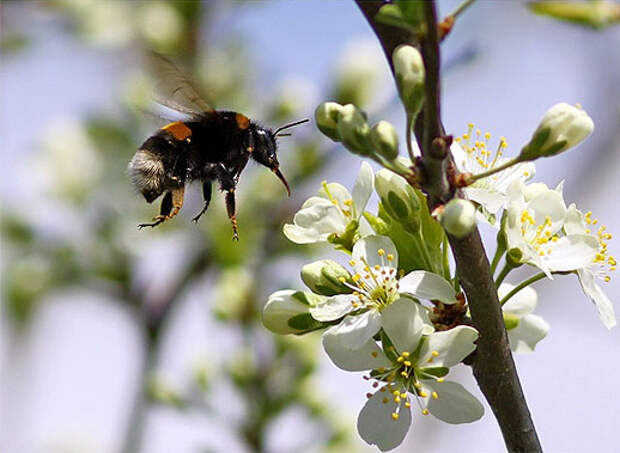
[242, 121]
[178, 129]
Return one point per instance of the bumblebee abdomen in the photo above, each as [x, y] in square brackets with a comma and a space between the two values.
[147, 173]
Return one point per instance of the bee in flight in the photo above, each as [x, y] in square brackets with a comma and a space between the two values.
[211, 145]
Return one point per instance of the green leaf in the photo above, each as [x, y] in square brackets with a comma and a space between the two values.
[432, 233]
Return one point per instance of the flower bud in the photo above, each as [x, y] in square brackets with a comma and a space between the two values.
[326, 117]
[398, 199]
[354, 131]
[459, 217]
[326, 277]
[281, 307]
[409, 70]
[562, 127]
[385, 140]
[510, 321]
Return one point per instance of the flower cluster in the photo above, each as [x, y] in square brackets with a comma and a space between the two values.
[392, 307]
[382, 312]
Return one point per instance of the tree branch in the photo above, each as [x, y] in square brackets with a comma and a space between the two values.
[493, 366]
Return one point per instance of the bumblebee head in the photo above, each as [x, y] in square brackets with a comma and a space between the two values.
[264, 152]
[263, 145]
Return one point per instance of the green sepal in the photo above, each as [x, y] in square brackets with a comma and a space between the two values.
[557, 148]
[437, 371]
[532, 150]
[514, 257]
[510, 321]
[379, 225]
[306, 298]
[304, 322]
[346, 240]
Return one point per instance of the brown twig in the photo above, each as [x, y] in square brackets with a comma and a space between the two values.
[493, 365]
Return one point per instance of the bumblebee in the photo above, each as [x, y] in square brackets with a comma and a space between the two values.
[211, 145]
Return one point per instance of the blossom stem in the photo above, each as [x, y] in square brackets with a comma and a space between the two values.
[522, 285]
[502, 275]
[446, 257]
[421, 243]
[462, 7]
[499, 252]
[473, 178]
[493, 364]
[408, 126]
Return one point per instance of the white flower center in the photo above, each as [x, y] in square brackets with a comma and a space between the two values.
[537, 235]
[603, 262]
[402, 380]
[377, 286]
[480, 159]
[345, 208]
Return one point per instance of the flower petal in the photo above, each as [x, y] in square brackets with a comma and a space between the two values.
[300, 235]
[363, 187]
[521, 304]
[450, 347]
[530, 330]
[367, 249]
[376, 425]
[453, 404]
[334, 307]
[429, 286]
[404, 322]
[598, 297]
[355, 330]
[574, 223]
[570, 252]
[368, 357]
[490, 199]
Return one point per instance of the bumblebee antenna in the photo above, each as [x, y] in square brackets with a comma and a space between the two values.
[286, 126]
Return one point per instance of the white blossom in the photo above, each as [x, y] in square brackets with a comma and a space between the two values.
[598, 268]
[376, 284]
[534, 220]
[524, 329]
[409, 372]
[472, 155]
[332, 211]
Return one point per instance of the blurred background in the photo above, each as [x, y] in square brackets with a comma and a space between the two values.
[114, 339]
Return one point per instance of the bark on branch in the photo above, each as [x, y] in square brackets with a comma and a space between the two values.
[493, 365]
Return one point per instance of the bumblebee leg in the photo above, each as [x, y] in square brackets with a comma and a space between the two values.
[230, 207]
[170, 206]
[206, 193]
[164, 211]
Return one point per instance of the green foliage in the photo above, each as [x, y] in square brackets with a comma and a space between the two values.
[596, 14]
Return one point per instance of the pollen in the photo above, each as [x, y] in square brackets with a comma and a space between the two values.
[374, 354]
[435, 395]
[440, 380]
[425, 412]
[435, 354]
[390, 257]
[394, 416]
[406, 354]
[380, 252]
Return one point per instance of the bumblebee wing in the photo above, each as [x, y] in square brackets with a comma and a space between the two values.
[174, 89]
